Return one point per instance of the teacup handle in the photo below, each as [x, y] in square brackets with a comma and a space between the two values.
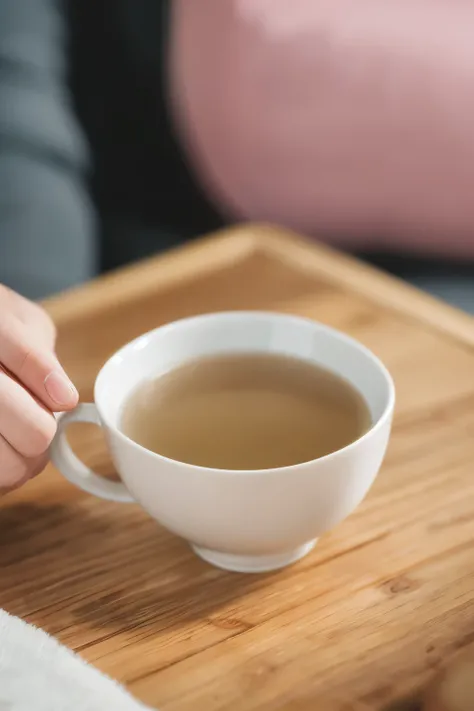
[76, 471]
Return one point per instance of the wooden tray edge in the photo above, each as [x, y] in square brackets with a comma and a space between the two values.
[223, 248]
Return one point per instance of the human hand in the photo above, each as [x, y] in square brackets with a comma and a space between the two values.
[33, 385]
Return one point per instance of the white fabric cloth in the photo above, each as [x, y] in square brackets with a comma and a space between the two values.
[39, 674]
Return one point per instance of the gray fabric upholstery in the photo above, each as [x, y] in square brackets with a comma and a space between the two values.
[46, 219]
[456, 290]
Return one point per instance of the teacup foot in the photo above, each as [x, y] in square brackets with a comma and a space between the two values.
[250, 563]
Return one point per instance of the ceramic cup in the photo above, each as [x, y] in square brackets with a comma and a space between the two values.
[246, 521]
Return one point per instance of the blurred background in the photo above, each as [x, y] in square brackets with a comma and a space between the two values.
[130, 126]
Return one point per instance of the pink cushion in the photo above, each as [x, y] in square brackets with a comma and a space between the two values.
[351, 119]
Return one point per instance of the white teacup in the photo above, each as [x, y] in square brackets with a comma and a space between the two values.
[246, 521]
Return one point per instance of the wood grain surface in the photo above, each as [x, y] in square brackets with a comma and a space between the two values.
[361, 622]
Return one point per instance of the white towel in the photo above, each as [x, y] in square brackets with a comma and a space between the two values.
[38, 674]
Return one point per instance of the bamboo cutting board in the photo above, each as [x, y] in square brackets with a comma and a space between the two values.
[360, 622]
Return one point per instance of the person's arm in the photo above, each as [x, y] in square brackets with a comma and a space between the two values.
[47, 231]
[343, 118]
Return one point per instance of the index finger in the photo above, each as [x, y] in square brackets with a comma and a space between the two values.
[31, 314]
[34, 366]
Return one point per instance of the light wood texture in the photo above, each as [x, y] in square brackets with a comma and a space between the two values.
[453, 688]
[364, 619]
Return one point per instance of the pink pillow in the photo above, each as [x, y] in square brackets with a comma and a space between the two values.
[351, 119]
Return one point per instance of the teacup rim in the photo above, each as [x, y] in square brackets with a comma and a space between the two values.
[268, 315]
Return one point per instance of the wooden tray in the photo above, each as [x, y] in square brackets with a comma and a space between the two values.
[381, 601]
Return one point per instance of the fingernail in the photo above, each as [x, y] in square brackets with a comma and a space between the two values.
[60, 389]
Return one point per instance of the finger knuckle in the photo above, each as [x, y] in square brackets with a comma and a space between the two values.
[20, 469]
[11, 480]
[43, 316]
[14, 473]
[40, 436]
[37, 465]
[24, 357]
